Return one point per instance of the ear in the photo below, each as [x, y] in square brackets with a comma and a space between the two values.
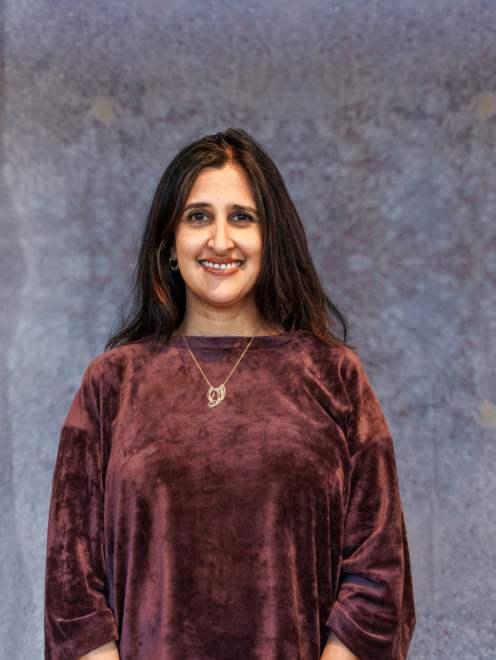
[173, 252]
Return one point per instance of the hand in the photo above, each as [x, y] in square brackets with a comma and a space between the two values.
[108, 651]
[336, 650]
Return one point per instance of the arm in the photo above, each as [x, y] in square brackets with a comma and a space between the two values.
[373, 614]
[106, 652]
[336, 650]
[78, 618]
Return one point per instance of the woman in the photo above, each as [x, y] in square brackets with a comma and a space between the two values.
[225, 486]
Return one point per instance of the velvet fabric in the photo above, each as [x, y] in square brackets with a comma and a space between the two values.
[245, 531]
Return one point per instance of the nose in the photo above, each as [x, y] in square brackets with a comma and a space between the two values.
[220, 240]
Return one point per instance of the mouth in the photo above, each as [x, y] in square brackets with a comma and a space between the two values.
[231, 265]
[220, 268]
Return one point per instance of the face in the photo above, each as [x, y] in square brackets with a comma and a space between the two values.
[218, 239]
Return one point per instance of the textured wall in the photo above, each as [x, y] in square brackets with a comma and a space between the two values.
[382, 118]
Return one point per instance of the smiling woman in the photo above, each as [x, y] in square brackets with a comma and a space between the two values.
[218, 247]
[258, 523]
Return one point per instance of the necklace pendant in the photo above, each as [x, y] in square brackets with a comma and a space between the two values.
[216, 395]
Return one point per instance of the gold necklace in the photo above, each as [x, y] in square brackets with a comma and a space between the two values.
[217, 394]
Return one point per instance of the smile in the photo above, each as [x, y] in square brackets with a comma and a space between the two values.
[211, 264]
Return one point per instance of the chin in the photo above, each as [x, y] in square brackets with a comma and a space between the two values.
[223, 301]
[223, 298]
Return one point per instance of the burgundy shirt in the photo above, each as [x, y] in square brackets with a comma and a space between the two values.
[241, 532]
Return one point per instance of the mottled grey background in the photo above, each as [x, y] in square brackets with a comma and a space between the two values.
[382, 117]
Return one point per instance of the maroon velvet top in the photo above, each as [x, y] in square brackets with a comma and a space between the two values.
[241, 532]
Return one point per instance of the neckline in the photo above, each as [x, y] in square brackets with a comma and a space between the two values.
[228, 341]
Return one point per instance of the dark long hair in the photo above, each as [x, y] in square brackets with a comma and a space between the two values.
[289, 291]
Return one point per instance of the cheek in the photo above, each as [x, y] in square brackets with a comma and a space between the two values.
[187, 244]
[257, 254]
[253, 247]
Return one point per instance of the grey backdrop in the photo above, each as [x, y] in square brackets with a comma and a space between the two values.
[382, 117]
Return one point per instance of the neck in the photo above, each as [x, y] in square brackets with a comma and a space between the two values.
[241, 320]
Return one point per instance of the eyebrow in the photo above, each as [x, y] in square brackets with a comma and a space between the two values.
[235, 207]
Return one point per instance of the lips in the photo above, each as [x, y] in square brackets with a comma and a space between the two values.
[220, 267]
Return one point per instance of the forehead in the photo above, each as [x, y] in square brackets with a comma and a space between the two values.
[229, 184]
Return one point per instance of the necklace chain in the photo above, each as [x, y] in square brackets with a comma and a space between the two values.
[217, 394]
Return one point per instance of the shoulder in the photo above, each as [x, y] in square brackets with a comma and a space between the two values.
[345, 376]
[330, 361]
[104, 380]
[119, 364]
[341, 367]
[340, 372]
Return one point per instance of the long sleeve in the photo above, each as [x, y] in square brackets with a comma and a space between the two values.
[374, 611]
[78, 618]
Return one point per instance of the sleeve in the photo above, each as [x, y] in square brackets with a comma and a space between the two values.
[78, 618]
[374, 613]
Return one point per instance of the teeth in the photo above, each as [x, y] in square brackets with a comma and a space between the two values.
[210, 264]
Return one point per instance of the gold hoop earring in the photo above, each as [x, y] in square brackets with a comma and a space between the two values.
[159, 266]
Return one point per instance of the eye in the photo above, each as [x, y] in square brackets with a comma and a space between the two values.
[198, 216]
[242, 217]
